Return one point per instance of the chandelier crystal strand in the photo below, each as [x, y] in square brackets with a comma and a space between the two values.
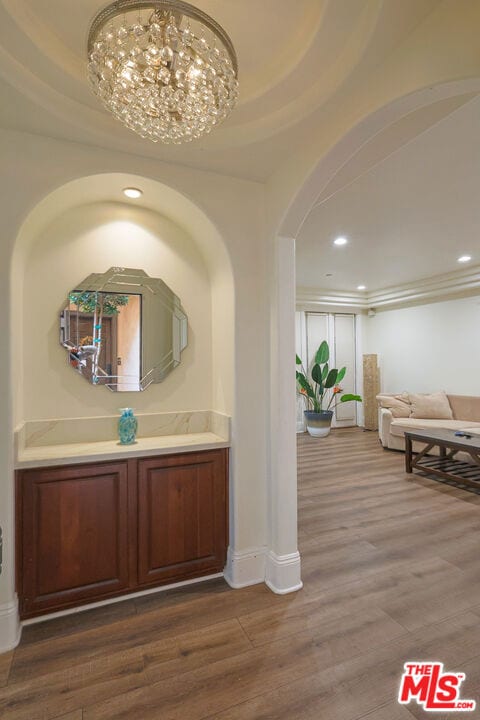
[164, 69]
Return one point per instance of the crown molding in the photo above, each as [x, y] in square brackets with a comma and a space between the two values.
[316, 296]
[454, 284]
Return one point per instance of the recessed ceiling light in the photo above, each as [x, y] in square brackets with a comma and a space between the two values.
[340, 241]
[361, 287]
[132, 192]
[464, 258]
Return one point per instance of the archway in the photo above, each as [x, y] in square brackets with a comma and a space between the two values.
[301, 201]
[359, 137]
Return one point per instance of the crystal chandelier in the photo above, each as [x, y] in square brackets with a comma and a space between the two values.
[164, 68]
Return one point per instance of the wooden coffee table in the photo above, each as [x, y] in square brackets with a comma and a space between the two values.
[445, 466]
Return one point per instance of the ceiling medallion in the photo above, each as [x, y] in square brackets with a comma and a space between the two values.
[164, 68]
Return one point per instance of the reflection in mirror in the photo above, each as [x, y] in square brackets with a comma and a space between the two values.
[123, 329]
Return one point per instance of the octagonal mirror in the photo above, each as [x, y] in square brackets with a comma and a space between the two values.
[123, 329]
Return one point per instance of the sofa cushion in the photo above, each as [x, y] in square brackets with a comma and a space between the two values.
[434, 406]
[398, 427]
[399, 405]
[465, 407]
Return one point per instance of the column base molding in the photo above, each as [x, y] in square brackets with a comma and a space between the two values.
[245, 567]
[283, 573]
[10, 628]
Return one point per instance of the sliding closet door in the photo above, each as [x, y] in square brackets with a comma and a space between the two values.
[317, 332]
[311, 329]
[339, 331]
[344, 334]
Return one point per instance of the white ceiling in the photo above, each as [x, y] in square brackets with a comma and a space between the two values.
[295, 59]
[407, 218]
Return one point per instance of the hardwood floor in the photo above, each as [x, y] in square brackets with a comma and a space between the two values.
[391, 572]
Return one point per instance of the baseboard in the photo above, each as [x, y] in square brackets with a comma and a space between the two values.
[283, 573]
[120, 598]
[246, 567]
[10, 628]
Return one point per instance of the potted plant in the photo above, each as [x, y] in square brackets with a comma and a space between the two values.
[321, 391]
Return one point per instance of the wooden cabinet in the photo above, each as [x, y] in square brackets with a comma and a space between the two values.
[88, 532]
[181, 517]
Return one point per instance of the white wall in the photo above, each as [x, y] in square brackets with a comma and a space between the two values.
[91, 239]
[428, 347]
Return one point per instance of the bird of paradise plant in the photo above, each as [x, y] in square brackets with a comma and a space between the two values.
[322, 390]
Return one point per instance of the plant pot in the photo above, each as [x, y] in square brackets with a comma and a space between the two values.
[318, 424]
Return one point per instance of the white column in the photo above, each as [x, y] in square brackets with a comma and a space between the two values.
[283, 559]
[9, 622]
[249, 459]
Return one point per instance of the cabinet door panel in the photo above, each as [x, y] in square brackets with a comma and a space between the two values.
[182, 516]
[75, 540]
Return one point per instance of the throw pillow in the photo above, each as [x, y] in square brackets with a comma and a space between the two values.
[434, 406]
[399, 405]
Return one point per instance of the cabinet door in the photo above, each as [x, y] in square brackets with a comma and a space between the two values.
[182, 520]
[74, 535]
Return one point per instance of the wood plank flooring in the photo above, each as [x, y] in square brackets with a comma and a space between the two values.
[391, 572]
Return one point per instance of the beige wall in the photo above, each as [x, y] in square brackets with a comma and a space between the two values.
[90, 239]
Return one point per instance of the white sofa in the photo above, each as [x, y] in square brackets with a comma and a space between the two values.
[465, 411]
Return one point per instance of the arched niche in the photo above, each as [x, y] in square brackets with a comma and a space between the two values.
[168, 217]
[86, 223]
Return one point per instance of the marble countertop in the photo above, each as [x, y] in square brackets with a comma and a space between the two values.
[52, 455]
[47, 443]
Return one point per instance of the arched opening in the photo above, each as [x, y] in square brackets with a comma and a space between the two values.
[365, 132]
[333, 170]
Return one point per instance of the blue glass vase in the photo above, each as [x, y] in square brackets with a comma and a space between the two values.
[127, 426]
